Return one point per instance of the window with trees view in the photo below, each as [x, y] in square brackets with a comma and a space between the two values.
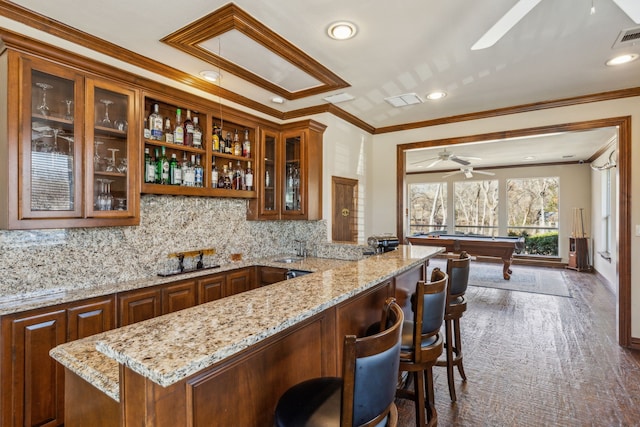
[533, 213]
[428, 208]
[476, 207]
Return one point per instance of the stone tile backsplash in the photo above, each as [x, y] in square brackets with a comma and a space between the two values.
[46, 260]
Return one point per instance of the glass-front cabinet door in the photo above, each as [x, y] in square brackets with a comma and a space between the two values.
[110, 150]
[293, 173]
[51, 154]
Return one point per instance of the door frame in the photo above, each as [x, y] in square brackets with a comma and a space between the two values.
[624, 210]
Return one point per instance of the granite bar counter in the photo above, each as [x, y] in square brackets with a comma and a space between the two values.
[172, 348]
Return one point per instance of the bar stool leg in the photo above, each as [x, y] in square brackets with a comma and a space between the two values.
[458, 348]
[419, 396]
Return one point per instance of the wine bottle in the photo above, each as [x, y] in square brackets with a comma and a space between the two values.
[228, 144]
[198, 172]
[149, 168]
[188, 130]
[246, 144]
[178, 131]
[175, 173]
[197, 133]
[248, 177]
[155, 123]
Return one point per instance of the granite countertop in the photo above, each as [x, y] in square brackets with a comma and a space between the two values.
[16, 303]
[169, 348]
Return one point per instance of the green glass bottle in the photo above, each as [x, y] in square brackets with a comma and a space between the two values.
[162, 168]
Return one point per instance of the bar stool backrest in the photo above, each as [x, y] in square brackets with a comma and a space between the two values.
[458, 271]
[370, 371]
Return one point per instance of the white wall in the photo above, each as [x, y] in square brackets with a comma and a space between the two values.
[573, 193]
[382, 185]
[347, 154]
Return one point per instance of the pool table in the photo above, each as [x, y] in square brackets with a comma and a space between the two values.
[500, 247]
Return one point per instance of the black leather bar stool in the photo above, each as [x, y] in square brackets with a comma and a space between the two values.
[364, 396]
[458, 271]
[422, 344]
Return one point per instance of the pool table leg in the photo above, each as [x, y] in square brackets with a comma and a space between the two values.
[506, 268]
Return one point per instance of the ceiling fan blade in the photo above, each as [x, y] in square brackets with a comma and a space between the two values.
[504, 24]
[631, 8]
[451, 174]
[483, 173]
[459, 160]
[434, 163]
[425, 160]
[469, 158]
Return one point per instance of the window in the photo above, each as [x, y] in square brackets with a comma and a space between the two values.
[532, 209]
[427, 208]
[476, 207]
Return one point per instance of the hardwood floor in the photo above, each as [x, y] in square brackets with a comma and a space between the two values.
[540, 360]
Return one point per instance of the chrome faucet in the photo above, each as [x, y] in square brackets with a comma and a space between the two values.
[301, 249]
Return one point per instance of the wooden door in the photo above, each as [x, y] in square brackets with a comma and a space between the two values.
[239, 281]
[344, 202]
[136, 306]
[178, 296]
[90, 317]
[35, 388]
[211, 288]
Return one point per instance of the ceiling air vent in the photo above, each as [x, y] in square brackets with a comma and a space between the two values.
[627, 37]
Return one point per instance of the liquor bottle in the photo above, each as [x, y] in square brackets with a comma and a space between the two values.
[237, 146]
[162, 166]
[214, 173]
[155, 123]
[223, 143]
[178, 131]
[146, 131]
[156, 171]
[175, 173]
[248, 177]
[186, 171]
[188, 130]
[198, 172]
[223, 180]
[239, 177]
[215, 141]
[197, 133]
[228, 144]
[246, 144]
[168, 132]
[149, 168]
[230, 175]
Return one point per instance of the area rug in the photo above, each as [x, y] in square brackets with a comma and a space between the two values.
[539, 280]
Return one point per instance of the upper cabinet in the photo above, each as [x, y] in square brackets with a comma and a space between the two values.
[194, 152]
[68, 146]
[290, 168]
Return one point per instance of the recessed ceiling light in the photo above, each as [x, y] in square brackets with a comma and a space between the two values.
[342, 30]
[529, 158]
[622, 59]
[433, 96]
[209, 75]
[277, 100]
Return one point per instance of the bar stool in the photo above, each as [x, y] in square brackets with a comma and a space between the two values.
[458, 271]
[422, 344]
[364, 396]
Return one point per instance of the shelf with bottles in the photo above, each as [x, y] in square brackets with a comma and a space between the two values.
[174, 125]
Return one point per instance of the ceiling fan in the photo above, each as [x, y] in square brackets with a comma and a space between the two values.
[468, 173]
[522, 7]
[447, 156]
